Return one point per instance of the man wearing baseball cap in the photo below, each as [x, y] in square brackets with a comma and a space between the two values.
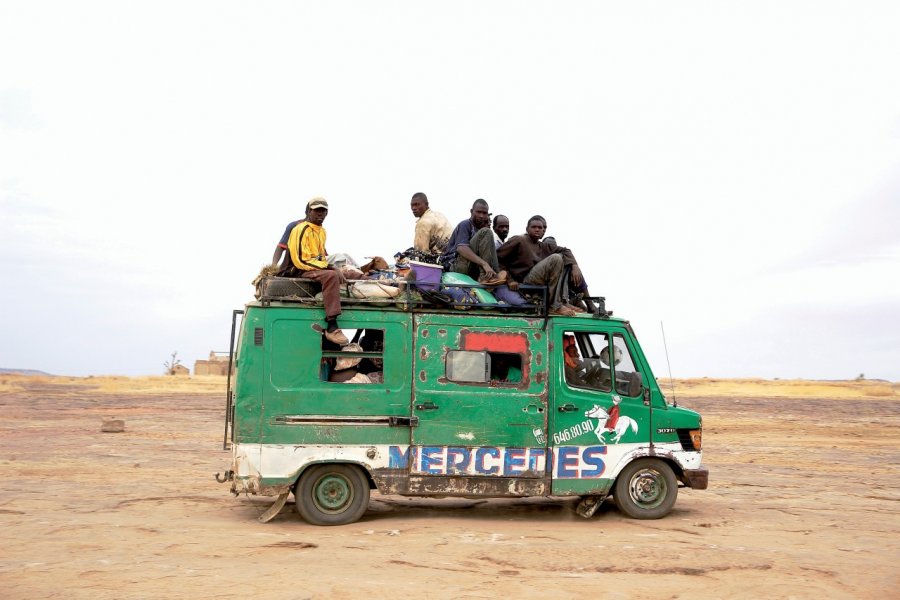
[309, 260]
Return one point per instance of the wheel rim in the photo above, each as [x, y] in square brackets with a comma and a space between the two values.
[332, 493]
[648, 488]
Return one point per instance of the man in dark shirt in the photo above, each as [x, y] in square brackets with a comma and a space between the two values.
[531, 261]
[471, 249]
[578, 292]
[282, 247]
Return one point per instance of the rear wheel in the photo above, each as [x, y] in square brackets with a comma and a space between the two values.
[646, 489]
[332, 494]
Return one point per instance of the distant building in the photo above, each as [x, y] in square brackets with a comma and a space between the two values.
[216, 365]
[180, 370]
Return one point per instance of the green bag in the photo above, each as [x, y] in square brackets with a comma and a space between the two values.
[480, 294]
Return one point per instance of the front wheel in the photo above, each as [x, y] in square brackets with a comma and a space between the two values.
[646, 489]
[332, 494]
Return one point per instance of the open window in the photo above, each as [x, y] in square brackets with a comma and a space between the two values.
[482, 366]
[506, 367]
[359, 362]
[584, 367]
[627, 378]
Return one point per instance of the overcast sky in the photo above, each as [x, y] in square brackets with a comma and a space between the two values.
[730, 169]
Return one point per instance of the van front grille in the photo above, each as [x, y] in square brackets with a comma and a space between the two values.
[684, 436]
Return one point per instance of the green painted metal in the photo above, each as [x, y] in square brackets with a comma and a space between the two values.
[279, 390]
[332, 493]
[282, 378]
[479, 414]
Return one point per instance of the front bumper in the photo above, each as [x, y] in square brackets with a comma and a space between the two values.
[696, 479]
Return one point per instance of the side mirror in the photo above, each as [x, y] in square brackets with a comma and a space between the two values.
[635, 384]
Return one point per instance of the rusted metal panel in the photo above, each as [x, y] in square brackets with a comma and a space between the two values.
[498, 487]
[391, 481]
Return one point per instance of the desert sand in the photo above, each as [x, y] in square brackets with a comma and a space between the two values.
[802, 503]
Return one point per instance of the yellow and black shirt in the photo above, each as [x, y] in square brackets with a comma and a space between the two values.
[307, 246]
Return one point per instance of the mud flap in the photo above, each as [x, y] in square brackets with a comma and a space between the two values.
[275, 508]
[589, 505]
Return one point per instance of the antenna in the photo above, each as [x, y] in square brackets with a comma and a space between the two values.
[668, 364]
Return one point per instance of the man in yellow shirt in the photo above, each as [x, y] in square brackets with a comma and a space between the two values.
[309, 260]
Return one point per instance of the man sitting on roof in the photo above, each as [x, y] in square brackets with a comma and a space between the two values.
[501, 229]
[432, 228]
[281, 247]
[309, 260]
[580, 296]
[471, 249]
[531, 261]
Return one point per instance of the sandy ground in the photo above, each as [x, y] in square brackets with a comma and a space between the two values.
[803, 503]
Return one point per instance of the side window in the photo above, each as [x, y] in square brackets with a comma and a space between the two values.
[583, 365]
[625, 371]
[360, 361]
[482, 366]
[505, 367]
[467, 366]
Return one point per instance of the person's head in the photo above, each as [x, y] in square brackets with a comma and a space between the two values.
[569, 346]
[501, 227]
[537, 225]
[480, 214]
[551, 241]
[418, 204]
[316, 210]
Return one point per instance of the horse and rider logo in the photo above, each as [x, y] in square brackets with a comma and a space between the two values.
[610, 422]
[609, 429]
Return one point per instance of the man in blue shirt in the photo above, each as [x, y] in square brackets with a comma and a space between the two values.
[471, 248]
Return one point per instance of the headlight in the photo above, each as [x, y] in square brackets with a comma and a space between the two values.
[696, 438]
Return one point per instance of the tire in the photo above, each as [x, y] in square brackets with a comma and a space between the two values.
[646, 489]
[332, 494]
[288, 287]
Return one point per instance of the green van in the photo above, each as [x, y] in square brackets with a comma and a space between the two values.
[432, 401]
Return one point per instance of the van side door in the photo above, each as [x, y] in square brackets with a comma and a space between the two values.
[480, 400]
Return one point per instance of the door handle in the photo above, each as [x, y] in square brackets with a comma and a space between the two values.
[427, 406]
[568, 408]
